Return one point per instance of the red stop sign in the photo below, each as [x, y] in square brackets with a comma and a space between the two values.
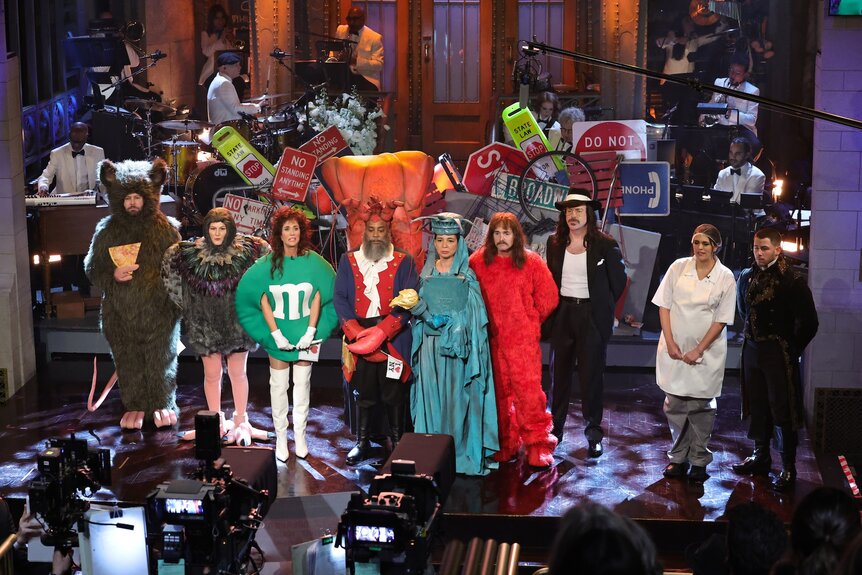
[252, 169]
[484, 164]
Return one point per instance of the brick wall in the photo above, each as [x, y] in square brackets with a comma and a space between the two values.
[835, 356]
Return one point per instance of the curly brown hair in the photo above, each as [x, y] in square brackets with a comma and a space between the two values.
[281, 216]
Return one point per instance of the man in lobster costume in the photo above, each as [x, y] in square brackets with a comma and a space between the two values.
[378, 345]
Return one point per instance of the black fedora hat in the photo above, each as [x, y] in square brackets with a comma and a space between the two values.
[577, 197]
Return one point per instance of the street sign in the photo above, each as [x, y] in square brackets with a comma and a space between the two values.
[249, 215]
[628, 137]
[645, 188]
[483, 165]
[326, 144]
[292, 175]
[537, 193]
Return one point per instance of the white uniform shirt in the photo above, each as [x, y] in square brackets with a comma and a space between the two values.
[694, 304]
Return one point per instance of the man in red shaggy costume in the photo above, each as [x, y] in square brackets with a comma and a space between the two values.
[519, 293]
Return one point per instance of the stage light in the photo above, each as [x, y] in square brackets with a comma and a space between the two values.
[51, 259]
[789, 247]
[777, 188]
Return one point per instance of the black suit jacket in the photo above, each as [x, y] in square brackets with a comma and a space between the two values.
[606, 278]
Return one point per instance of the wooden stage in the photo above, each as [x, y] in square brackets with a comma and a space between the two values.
[311, 493]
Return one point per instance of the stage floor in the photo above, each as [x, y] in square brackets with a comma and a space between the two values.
[627, 478]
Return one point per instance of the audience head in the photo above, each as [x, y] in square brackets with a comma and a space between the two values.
[505, 238]
[593, 540]
[851, 563]
[756, 539]
[823, 524]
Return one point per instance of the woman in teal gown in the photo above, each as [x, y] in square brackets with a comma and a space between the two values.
[453, 389]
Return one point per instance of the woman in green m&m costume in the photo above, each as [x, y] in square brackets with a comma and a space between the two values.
[284, 302]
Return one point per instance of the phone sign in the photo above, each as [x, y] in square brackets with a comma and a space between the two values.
[645, 188]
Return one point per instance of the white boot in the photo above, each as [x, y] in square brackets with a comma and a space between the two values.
[279, 380]
[301, 400]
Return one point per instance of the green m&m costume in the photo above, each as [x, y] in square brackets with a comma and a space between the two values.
[290, 294]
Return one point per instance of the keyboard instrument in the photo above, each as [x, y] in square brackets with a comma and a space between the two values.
[68, 200]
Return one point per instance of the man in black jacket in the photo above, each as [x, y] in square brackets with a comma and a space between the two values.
[588, 268]
[780, 321]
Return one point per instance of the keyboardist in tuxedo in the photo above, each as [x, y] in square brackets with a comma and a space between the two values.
[72, 165]
[741, 176]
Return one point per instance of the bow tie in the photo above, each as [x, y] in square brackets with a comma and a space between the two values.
[78, 153]
[735, 171]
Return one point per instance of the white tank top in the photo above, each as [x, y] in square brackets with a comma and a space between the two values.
[574, 280]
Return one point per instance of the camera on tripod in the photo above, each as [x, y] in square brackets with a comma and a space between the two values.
[66, 468]
[210, 521]
[392, 529]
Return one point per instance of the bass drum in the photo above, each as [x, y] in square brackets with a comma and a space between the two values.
[207, 186]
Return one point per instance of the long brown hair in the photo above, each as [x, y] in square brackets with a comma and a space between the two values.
[281, 216]
[561, 236]
[509, 221]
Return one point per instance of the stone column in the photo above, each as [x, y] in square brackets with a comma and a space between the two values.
[17, 353]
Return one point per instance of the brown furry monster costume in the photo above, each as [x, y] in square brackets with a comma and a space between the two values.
[138, 319]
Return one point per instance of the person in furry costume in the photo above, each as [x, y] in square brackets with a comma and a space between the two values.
[519, 294]
[201, 278]
[138, 319]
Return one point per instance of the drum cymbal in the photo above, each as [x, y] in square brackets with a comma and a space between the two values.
[264, 97]
[184, 125]
[152, 105]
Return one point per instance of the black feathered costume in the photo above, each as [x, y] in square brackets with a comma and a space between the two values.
[138, 319]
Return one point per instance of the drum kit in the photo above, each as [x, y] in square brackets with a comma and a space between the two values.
[197, 173]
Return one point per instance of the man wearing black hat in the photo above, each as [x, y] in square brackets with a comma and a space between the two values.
[223, 102]
[588, 268]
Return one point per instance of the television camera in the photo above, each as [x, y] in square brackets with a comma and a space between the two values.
[392, 530]
[66, 468]
[207, 523]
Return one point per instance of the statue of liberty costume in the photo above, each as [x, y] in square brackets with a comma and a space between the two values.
[453, 389]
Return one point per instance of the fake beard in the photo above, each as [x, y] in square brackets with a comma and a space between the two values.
[376, 250]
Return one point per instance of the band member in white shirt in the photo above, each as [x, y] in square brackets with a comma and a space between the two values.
[741, 176]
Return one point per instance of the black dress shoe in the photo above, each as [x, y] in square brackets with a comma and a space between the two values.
[756, 464]
[595, 449]
[785, 480]
[698, 474]
[676, 470]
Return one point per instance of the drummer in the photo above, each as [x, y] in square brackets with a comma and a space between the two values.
[223, 102]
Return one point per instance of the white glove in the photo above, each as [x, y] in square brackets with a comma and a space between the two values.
[305, 341]
[281, 341]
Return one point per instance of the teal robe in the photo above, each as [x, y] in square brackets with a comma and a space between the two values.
[453, 389]
[290, 295]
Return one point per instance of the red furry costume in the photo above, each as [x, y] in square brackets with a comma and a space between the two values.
[518, 300]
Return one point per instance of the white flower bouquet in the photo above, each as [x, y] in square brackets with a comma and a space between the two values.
[354, 118]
